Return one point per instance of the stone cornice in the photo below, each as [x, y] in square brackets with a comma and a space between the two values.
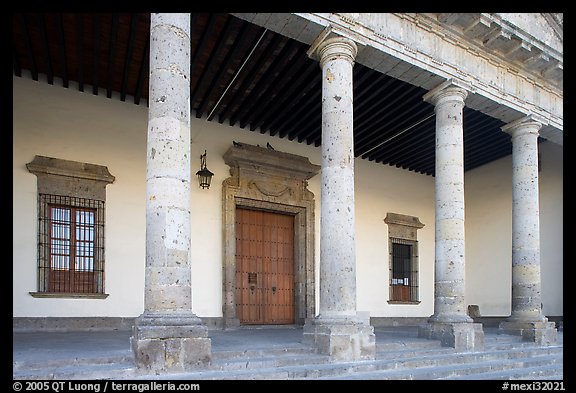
[59, 167]
[427, 49]
[402, 219]
[366, 34]
[268, 160]
[489, 73]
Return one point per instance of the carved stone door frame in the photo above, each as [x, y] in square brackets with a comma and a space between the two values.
[274, 181]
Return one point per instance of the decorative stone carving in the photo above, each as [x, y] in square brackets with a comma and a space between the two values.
[270, 189]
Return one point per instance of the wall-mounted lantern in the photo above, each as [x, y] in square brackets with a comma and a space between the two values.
[204, 175]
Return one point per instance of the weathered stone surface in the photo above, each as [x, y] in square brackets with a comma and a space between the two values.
[342, 339]
[542, 333]
[164, 355]
[168, 336]
[450, 322]
[526, 319]
[337, 248]
[78, 179]
[338, 331]
[463, 336]
[449, 302]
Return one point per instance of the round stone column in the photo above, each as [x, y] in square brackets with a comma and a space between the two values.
[450, 320]
[168, 335]
[338, 331]
[526, 318]
[337, 228]
[449, 301]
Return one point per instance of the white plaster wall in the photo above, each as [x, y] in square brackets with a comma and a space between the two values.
[551, 182]
[382, 189]
[64, 123]
[488, 192]
[488, 231]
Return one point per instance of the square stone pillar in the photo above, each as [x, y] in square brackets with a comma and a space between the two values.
[539, 332]
[343, 339]
[168, 343]
[462, 336]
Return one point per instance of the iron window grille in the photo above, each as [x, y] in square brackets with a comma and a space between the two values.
[403, 270]
[70, 245]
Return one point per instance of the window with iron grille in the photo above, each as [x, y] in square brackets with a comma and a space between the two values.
[71, 215]
[403, 260]
[403, 271]
[71, 244]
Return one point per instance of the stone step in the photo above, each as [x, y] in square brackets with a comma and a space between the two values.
[417, 366]
[262, 352]
[547, 372]
[504, 358]
[57, 362]
[415, 343]
[425, 369]
[87, 371]
[525, 368]
[506, 344]
[260, 362]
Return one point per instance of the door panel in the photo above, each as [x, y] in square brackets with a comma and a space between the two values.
[264, 267]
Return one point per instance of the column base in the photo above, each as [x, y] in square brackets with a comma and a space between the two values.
[170, 343]
[231, 323]
[343, 339]
[539, 332]
[462, 336]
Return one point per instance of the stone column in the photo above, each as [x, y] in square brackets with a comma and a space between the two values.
[168, 336]
[527, 319]
[338, 331]
[450, 322]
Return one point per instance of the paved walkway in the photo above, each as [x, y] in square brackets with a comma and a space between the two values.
[52, 350]
[37, 346]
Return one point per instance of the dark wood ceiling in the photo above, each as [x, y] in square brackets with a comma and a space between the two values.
[245, 76]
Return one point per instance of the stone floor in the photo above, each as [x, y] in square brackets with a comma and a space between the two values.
[57, 348]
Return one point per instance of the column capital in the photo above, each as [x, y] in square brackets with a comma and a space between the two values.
[178, 21]
[450, 90]
[525, 125]
[333, 48]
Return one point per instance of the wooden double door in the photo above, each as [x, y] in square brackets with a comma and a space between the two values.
[264, 267]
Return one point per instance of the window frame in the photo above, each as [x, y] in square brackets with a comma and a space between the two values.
[403, 229]
[68, 279]
[76, 186]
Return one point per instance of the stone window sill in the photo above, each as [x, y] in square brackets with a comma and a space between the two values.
[69, 295]
[403, 302]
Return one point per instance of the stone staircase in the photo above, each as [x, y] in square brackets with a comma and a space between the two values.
[117, 366]
[505, 357]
